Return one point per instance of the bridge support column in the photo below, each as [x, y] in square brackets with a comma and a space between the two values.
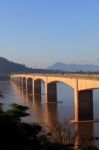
[37, 87]
[26, 88]
[21, 84]
[52, 92]
[29, 86]
[76, 101]
[84, 105]
[17, 80]
[24, 84]
[33, 86]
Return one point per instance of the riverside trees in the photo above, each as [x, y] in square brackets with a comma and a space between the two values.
[18, 135]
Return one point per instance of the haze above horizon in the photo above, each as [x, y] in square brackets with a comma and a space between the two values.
[39, 33]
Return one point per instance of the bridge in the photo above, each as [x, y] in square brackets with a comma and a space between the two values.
[83, 85]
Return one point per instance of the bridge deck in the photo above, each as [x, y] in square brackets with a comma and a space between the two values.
[79, 76]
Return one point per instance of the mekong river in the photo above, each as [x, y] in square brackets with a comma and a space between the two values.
[43, 113]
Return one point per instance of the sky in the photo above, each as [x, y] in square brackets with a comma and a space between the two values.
[39, 33]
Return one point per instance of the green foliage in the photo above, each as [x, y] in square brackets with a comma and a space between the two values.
[17, 111]
[16, 135]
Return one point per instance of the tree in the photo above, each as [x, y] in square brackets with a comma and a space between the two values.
[15, 134]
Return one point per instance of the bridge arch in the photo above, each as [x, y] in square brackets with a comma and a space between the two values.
[42, 78]
[39, 79]
[54, 88]
[69, 82]
[59, 81]
[91, 88]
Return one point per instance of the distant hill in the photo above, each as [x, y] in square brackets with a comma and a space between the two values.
[74, 67]
[8, 67]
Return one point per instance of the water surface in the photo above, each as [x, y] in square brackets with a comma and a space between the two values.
[43, 113]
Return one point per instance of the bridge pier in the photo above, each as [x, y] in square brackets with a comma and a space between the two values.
[29, 86]
[52, 92]
[37, 87]
[84, 105]
[33, 86]
[21, 82]
[24, 84]
[18, 81]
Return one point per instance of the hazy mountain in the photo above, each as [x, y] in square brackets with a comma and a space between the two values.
[8, 67]
[74, 67]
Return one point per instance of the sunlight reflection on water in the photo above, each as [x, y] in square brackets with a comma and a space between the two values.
[45, 113]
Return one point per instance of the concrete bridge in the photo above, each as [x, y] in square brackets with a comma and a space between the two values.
[83, 85]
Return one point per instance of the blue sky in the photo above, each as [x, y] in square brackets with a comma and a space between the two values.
[39, 33]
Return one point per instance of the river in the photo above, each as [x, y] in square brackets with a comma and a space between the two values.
[44, 113]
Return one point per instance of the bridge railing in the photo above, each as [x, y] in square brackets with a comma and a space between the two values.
[66, 74]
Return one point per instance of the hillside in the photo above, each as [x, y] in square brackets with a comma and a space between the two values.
[74, 67]
[7, 67]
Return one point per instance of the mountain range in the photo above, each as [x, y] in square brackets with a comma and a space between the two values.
[74, 67]
[8, 67]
